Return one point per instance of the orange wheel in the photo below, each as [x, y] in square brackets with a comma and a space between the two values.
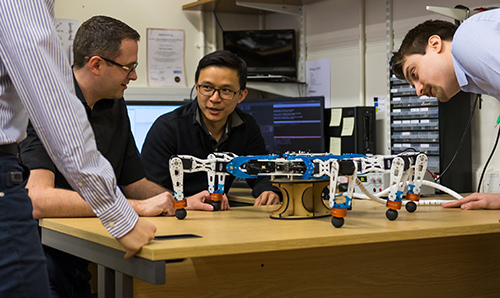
[412, 197]
[393, 205]
[216, 196]
[337, 212]
[180, 204]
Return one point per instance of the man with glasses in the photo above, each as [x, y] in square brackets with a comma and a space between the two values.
[105, 59]
[208, 124]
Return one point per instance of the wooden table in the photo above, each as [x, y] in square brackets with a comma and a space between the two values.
[433, 252]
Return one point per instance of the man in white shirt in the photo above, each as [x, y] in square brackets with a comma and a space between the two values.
[439, 59]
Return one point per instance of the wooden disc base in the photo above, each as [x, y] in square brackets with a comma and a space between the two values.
[301, 199]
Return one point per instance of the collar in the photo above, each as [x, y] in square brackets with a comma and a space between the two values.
[233, 120]
[104, 103]
[459, 72]
[79, 92]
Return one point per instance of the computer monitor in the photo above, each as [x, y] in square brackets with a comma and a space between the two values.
[143, 114]
[268, 53]
[289, 124]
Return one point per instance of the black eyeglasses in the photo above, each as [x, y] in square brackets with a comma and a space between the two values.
[130, 68]
[224, 93]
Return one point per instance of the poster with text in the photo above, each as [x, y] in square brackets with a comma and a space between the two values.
[318, 79]
[166, 58]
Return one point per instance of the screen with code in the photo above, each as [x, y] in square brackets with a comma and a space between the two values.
[289, 124]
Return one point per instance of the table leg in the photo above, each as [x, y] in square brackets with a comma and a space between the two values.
[124, 285]
[105, 282]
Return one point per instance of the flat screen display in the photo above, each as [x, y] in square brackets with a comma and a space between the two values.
[266, 52]
[289, 124]
[143, 114]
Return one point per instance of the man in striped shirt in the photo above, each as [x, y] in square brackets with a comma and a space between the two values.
[35, 81]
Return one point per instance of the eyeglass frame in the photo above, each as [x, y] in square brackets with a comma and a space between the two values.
[218, 90]
[125, 67]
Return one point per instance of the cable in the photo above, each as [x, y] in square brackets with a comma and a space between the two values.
[409, 149]
[218, 23]
[376, 197]
[488, 161]
[467, 127]
[442, 188]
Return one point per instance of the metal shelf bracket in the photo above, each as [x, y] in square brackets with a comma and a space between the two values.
[454, 13]
[280, 8]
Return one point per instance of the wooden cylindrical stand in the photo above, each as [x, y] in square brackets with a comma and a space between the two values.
[301, 199]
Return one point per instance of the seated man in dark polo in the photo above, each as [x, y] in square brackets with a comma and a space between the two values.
[105, 58]
[211, 123]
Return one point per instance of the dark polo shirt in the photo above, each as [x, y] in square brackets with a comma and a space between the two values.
[111, 126]
[183, 132]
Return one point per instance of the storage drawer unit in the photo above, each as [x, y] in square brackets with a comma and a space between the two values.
[424, 124]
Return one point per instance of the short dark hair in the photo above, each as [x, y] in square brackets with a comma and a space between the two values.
[224, 59]
[100, 36]
[415, 41]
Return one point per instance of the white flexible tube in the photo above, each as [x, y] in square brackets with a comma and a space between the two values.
[442, 188]
[376, 197]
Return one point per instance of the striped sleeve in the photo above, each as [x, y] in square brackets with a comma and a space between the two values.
[32, 56]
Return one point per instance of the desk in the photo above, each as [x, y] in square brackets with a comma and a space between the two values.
[433, 252]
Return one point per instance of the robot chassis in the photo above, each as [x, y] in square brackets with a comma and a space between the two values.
[405, 169]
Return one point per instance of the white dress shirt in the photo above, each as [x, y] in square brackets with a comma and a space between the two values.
[36, 81]
[476, 53]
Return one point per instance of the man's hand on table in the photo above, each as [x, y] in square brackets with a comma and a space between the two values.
[159, 204]
[140, 235]
[476, 201]
[267, 198]
[202, 201]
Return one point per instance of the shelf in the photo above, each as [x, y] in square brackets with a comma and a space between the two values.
[292, 7]
[454, 13]
[157, 93]
[279, 88]
[231, 6]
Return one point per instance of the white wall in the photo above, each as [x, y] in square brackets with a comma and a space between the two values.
[332, 31]
[140, 15]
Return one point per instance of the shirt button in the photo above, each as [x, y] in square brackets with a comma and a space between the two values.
[111, 224]
[80, 184]
[2, 194]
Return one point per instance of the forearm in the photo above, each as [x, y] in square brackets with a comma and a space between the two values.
[142, 189]
[58, 202]
[148, 198]
[49, 201]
